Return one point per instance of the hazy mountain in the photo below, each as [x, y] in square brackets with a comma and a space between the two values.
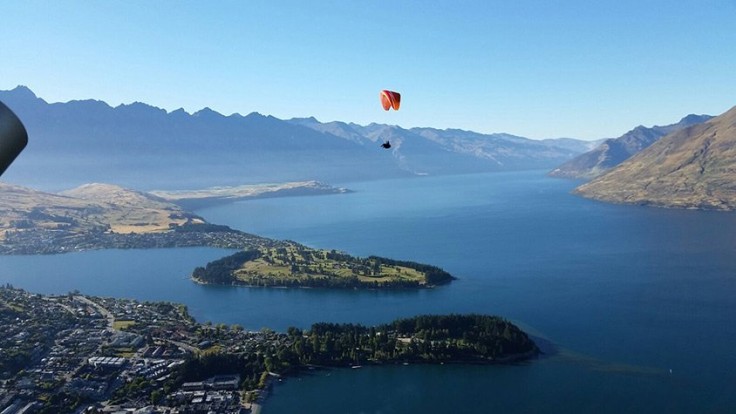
[694, 167]
[504, 150]
[336, 128]
[145, 147]
[439, 151]
[572, 144]
[613, 152]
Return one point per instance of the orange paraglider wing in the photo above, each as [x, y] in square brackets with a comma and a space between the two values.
[385, 100]
[390, 99]
[396, 101]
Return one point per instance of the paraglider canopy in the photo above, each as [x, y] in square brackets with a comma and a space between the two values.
[390, 99]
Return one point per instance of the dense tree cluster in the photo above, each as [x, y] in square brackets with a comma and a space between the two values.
[250, 367]
[221, 270]
[423, 339]
[351, 282]
[433, 275]
[468, 338]
[60, 403]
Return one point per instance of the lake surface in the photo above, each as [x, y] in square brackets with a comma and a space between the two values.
[625, 293]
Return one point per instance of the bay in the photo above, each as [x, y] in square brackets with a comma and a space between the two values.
[624, 293]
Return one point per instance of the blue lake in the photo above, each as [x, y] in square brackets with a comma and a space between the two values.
[625, 293]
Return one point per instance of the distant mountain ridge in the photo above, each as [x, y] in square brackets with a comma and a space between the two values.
[694, 167]
[613, 152]
[500, 150]
[141, 146]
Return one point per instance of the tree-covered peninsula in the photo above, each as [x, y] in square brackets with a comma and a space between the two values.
[428, 338]
[425, 339]
[294, 265]
[59, 354]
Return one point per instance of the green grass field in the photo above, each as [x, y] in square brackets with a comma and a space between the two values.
[121, 325]
[297, 262]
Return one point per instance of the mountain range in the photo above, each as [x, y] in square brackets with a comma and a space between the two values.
[141, 146]
[614, 151]
[694, 167]
[687, 164]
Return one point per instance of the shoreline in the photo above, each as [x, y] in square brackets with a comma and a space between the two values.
[246, 285]
[214, 196]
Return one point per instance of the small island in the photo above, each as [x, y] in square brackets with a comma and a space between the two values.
[290, 264]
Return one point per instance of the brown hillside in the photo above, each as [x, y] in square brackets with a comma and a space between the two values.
[691, 168]
[98, 207]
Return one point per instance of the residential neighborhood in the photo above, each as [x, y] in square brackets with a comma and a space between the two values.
[114, 356]
[53, 241]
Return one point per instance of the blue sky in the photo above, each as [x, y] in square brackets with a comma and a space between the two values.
[582, 69]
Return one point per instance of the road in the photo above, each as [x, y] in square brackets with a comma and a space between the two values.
[110, 317]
